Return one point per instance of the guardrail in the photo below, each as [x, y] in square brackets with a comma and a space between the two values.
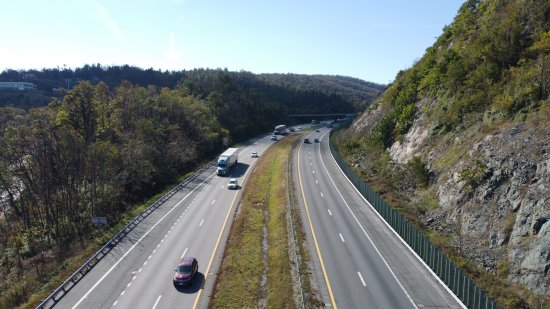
[68, 284]
[451, 275]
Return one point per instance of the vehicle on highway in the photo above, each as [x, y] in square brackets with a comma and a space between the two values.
[233, 184]
[316, 140]
[253, 154]
[280, 130]
[292, 130]
[186, 270]
[273, 137]
[317, 130]
[227, 160]
[306, 140]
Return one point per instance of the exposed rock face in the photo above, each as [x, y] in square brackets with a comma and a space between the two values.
[497, 196]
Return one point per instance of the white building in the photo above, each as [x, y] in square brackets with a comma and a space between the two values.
[17, 86]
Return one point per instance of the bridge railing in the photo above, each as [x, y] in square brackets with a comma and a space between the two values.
[75, 277]
[452, 276]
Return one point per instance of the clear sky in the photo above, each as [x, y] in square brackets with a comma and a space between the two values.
[367, 39]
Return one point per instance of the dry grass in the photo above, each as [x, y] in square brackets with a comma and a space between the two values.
[255, 270]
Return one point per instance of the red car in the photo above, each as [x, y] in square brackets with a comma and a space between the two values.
[186, 270]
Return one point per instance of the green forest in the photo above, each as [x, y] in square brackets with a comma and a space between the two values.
[493, 61]
[98, 150]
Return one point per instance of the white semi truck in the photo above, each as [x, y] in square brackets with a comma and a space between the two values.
[227, 160]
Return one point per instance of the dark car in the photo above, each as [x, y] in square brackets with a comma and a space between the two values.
[186, 270]
[306, 141]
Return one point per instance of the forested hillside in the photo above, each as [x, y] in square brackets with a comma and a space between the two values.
[97, 150]
[358, 92]
[459, 144]
[361, 93]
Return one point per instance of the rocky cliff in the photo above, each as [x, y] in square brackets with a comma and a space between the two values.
[461, 140]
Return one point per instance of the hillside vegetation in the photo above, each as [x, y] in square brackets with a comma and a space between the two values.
[97, 150]
[201, 81]
[459, 143]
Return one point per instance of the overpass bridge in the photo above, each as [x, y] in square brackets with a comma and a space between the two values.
[328, 116]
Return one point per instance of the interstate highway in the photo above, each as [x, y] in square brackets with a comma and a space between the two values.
[138, 272]
[359, 262]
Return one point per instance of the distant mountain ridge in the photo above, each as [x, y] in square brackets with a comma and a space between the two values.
[360, 93]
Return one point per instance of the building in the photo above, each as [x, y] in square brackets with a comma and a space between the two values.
[23, 86]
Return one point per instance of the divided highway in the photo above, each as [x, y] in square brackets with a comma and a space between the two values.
[138, 272]
[359, 261]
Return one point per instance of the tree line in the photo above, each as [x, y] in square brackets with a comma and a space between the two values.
[98, 150]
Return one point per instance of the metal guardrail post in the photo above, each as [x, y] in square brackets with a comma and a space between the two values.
[450, 274]
[75, 277]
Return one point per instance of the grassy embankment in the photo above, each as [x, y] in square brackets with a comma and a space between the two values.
[255, 270]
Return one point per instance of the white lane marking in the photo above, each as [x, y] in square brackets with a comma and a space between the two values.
[322, 195]
[202, 221]
[129, 284]
[157, 302]
[341, 237]
[316, 181]
[155, 250]
[140, 270]
[134, 278]
[137, 242]
[313, 171]
[145, 263]
[149, 257]
[184, 252]
[362, 229]
[329, 212]
[213, 202]
[116, 302]
[361, 277]
[122, 294]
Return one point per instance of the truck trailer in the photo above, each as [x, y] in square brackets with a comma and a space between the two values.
[227, 160]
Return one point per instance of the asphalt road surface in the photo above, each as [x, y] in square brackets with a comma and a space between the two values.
[358, 261]
[138, 272]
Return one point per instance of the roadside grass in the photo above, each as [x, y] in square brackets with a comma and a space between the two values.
[59, 271]
[255, 271]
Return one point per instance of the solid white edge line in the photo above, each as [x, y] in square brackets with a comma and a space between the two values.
[399, 237]
[341, 237]
[139, 240]
[365, 232]
[202, 221]
[329, 212]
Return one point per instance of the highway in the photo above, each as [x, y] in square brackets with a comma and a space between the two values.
[358, 261]
[138, 272]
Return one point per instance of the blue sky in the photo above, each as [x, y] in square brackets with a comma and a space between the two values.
[367, 39]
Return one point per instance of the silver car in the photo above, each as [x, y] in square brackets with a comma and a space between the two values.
[233, 184]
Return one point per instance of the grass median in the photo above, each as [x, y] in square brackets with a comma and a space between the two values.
[255, 271]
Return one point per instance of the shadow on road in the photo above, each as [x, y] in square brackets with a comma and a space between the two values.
[237, 171]
[196, 285]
